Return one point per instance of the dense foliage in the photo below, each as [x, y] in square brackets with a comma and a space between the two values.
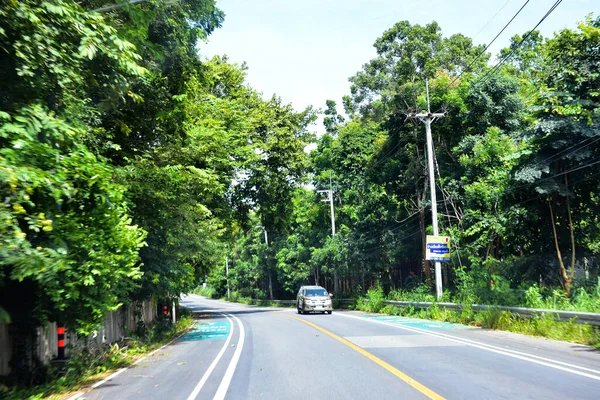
[131, 167]
[127, 162]
[516, 167]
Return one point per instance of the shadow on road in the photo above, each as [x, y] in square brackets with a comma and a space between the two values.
[587, 349]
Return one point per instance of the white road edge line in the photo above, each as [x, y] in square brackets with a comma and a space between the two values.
[223, 303]
[474, 342]
[493, 349]
[115, 374]
[224, 386]
[212, 366]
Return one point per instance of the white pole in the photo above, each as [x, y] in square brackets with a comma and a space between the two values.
[332, 214]
[173, 313]
[270, 279]
[434, 216]
[331, 204]
[227, 272]
[335, 276]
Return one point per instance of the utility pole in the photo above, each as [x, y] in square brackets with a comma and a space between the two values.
[330, 200]
[227, 273]
[427, 119]
[270, 280]
[173, 313]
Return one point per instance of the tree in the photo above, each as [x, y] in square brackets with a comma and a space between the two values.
[567, 110]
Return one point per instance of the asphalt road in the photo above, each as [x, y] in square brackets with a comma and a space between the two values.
[243, 352]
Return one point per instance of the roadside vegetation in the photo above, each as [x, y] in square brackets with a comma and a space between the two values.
[132, 167]
[89, 366]
[543, 325]
[517, 167]
[128, 161]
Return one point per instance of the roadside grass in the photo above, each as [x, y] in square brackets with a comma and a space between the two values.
[86, 368]
[206, 291]
[235, 297]
[542, 325]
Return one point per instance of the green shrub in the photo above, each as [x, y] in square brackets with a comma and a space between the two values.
[375, 299]
[206, 291]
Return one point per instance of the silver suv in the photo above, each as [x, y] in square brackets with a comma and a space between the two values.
[313, 298]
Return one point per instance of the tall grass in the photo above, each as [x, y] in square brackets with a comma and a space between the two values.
[206, 291]
[533, 297]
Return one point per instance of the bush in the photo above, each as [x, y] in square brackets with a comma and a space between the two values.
[87, 366]
[373, 302]
[206, 291]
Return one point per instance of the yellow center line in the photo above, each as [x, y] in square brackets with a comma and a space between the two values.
[421, 388]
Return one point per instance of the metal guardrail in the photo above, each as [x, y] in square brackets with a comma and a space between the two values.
[559, 315]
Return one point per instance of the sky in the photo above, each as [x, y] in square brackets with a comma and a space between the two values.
[305, 51]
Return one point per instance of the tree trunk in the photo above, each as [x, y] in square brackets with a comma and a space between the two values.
[563, 272]
[572, 231]
[270, 287]
[426, 267]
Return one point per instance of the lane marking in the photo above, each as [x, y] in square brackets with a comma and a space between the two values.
[416, 385]
[226, 381]
[494, 349]
[208, 300]
[212, 366]
[115, 374]
[207, 331]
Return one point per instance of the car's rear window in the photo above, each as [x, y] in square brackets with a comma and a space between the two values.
[316, 292]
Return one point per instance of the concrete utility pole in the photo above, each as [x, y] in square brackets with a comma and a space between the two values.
[173, 313]
[227, 273]
[330, 200]
[270, 281]
[427, 119]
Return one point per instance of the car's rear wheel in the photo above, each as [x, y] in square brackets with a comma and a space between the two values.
[329, 312]
[298, 309]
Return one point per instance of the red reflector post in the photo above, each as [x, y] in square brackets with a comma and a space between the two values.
[61, 342]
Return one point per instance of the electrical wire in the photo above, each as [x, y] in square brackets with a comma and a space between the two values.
[560, 173]
[491, 19]
[488, 46]
[523, 39]
[553, 157]
[119, 5]
[371, 250]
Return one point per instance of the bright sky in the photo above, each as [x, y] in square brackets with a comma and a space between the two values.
[305, 50]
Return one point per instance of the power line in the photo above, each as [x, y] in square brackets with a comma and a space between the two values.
[489, 44]
[120, 5]
[371, 250]
[367, 235]
[387, 155]
[553, 157]
[560, 173]
[491, 19]
[515, 47]
[129, 3]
